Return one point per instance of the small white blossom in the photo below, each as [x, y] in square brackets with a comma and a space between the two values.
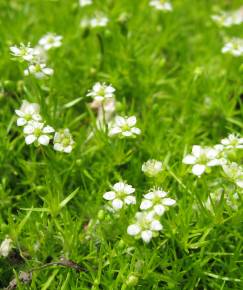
[38, 133]
[40, 54]
[97, 21]
[28, 112]
[6, 247]
[201, 158]
[235, 173]
[120, 195]
[50, 40]
[24, 52]
[124, 127]
[228, 19]
[234, 47]
[152, 167]
[83, 3]
[145, 227]
[38, 70]
[233, 142]
[101, 92]
[156, 201]
[161, 5]
[63, 141]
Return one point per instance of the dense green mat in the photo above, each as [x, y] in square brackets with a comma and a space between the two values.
[168, 71]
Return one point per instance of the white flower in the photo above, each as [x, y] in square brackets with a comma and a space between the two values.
[37, 132]
[101, 92]
[201, 158]
[161, 5]
[28, 112]
[83, 3]
[38, 70]
[228, 19]
[121, 194]
[156, 201]
[63, 141]
[152, 167]
[124, 127]
[233, 142]
[145, 227]
[234, 47]
[234, 172]
[24, 52]
[40, 54]
[5, 247]
[98, 21]
[50, 40]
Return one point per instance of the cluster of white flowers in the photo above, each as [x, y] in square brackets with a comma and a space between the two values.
[99, 20]
[227, 19]
[234, 47]
[161, 5]
[37, 56]
[104, 101]
[120, 195]
[202, 158]
[152, 167]
[37, 132]
[153, 206]
[5, 247]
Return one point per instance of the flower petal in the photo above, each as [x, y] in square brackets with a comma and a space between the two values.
[21, 122]
[19, 113]
[146, 236]
[117, 204]
[48, 129]
[109, 195]
[168, 201]
[159, 209]
[119, 186]
[136, 131]
[131, 121]
[133, 230]
[127, 133]
[58, 147]
[28, 129]
[30, 139]
[68, 149]
[189, 159]
[198, 169]
[44, 140]
[120, 121]
[145, 204]
[197, 150]
[156, 225]
[128, 189]
[130, 200]
[149, 195]
[114, 131]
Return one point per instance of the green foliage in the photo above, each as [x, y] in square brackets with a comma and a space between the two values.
[169, 72]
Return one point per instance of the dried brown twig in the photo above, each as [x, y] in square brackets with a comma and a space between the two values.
[26, 277]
